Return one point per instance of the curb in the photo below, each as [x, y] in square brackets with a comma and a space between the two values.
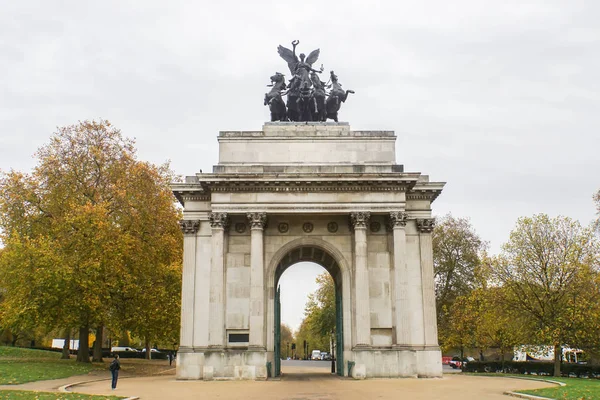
[523, 395]
[526, 396]
[65, 388]
[531, 396]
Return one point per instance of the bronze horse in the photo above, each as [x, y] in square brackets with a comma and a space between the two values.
[274, 100]
[336, 97]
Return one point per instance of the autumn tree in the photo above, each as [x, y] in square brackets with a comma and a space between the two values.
[319, 315]
[457, 255]
[597, 201]
[461, 332]
[549, 269]
[88, 228]
[286, 339]
[320, 308]
[498, 325]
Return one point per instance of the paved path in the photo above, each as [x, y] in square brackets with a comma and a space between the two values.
[314, 383]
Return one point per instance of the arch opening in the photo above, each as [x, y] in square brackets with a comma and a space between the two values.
[316, 254]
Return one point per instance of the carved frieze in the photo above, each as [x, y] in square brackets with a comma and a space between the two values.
[375, 226]
[360, 219]
[258, 220]
[308, 227]
[425, 225]
[283, 227]
[317, 186]
[219, 220]
[332, 227]
[240, 227]
[189, 226]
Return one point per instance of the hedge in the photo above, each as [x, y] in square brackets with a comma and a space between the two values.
[533, 368]
[106, 353]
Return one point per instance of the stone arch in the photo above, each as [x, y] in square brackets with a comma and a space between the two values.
[327, 255]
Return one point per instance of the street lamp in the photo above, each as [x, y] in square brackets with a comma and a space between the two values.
[331, 345]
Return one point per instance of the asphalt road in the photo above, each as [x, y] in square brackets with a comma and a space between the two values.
[325, 365]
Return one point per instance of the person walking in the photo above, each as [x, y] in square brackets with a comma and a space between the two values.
[114, 367]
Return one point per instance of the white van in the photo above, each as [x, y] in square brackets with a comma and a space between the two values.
[316, 355]
[116, 349]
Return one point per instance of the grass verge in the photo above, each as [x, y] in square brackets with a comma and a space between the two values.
[575, 389]
[28, 395]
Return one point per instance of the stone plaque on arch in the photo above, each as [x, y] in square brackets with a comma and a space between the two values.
[311, 191]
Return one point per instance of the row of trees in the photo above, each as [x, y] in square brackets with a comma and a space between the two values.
[91, 240]
[318, 324]
[543, 288]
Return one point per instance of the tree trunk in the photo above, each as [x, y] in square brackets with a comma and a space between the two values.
[83, 354]
[97, 356]
[148, 352]
[557, 357]
[67, 345]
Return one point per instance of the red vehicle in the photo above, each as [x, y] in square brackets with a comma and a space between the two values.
[457, 362]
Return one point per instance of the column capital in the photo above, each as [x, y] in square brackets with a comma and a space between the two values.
[425, 225]
[258, 220]
[398, 219]
[359, 219]
[189, 226]
[219, 220]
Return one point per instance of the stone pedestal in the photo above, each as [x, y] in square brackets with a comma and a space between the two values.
[315, 192]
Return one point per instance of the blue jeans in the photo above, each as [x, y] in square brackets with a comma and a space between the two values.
[115, 376]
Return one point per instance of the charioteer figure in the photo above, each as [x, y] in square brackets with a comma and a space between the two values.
[307, 98]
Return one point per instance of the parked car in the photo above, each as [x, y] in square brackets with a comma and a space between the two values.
[151, 350]
[457, 362]
[325, 356]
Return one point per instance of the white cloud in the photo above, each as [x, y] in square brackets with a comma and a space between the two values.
[499, 99]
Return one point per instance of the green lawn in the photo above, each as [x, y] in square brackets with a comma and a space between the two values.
[25, 395]
[17, 371]
[575, 389]
[25, 365]
[19, 365]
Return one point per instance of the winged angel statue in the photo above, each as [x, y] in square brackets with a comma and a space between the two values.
[307, 97]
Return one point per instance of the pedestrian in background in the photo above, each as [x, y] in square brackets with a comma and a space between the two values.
[114, 367]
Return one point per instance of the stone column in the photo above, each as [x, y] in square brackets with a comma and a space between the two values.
[425, 227]
[202, 288]
[258, 222]
[400, 280]
[189, 229]
[359, 222]
[218, 223]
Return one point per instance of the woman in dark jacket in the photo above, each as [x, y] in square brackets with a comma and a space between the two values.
[114, 367]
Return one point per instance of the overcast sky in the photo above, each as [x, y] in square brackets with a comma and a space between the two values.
[498, 98]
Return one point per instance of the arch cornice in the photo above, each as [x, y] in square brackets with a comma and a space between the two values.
[345, 269]
[324, 245]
